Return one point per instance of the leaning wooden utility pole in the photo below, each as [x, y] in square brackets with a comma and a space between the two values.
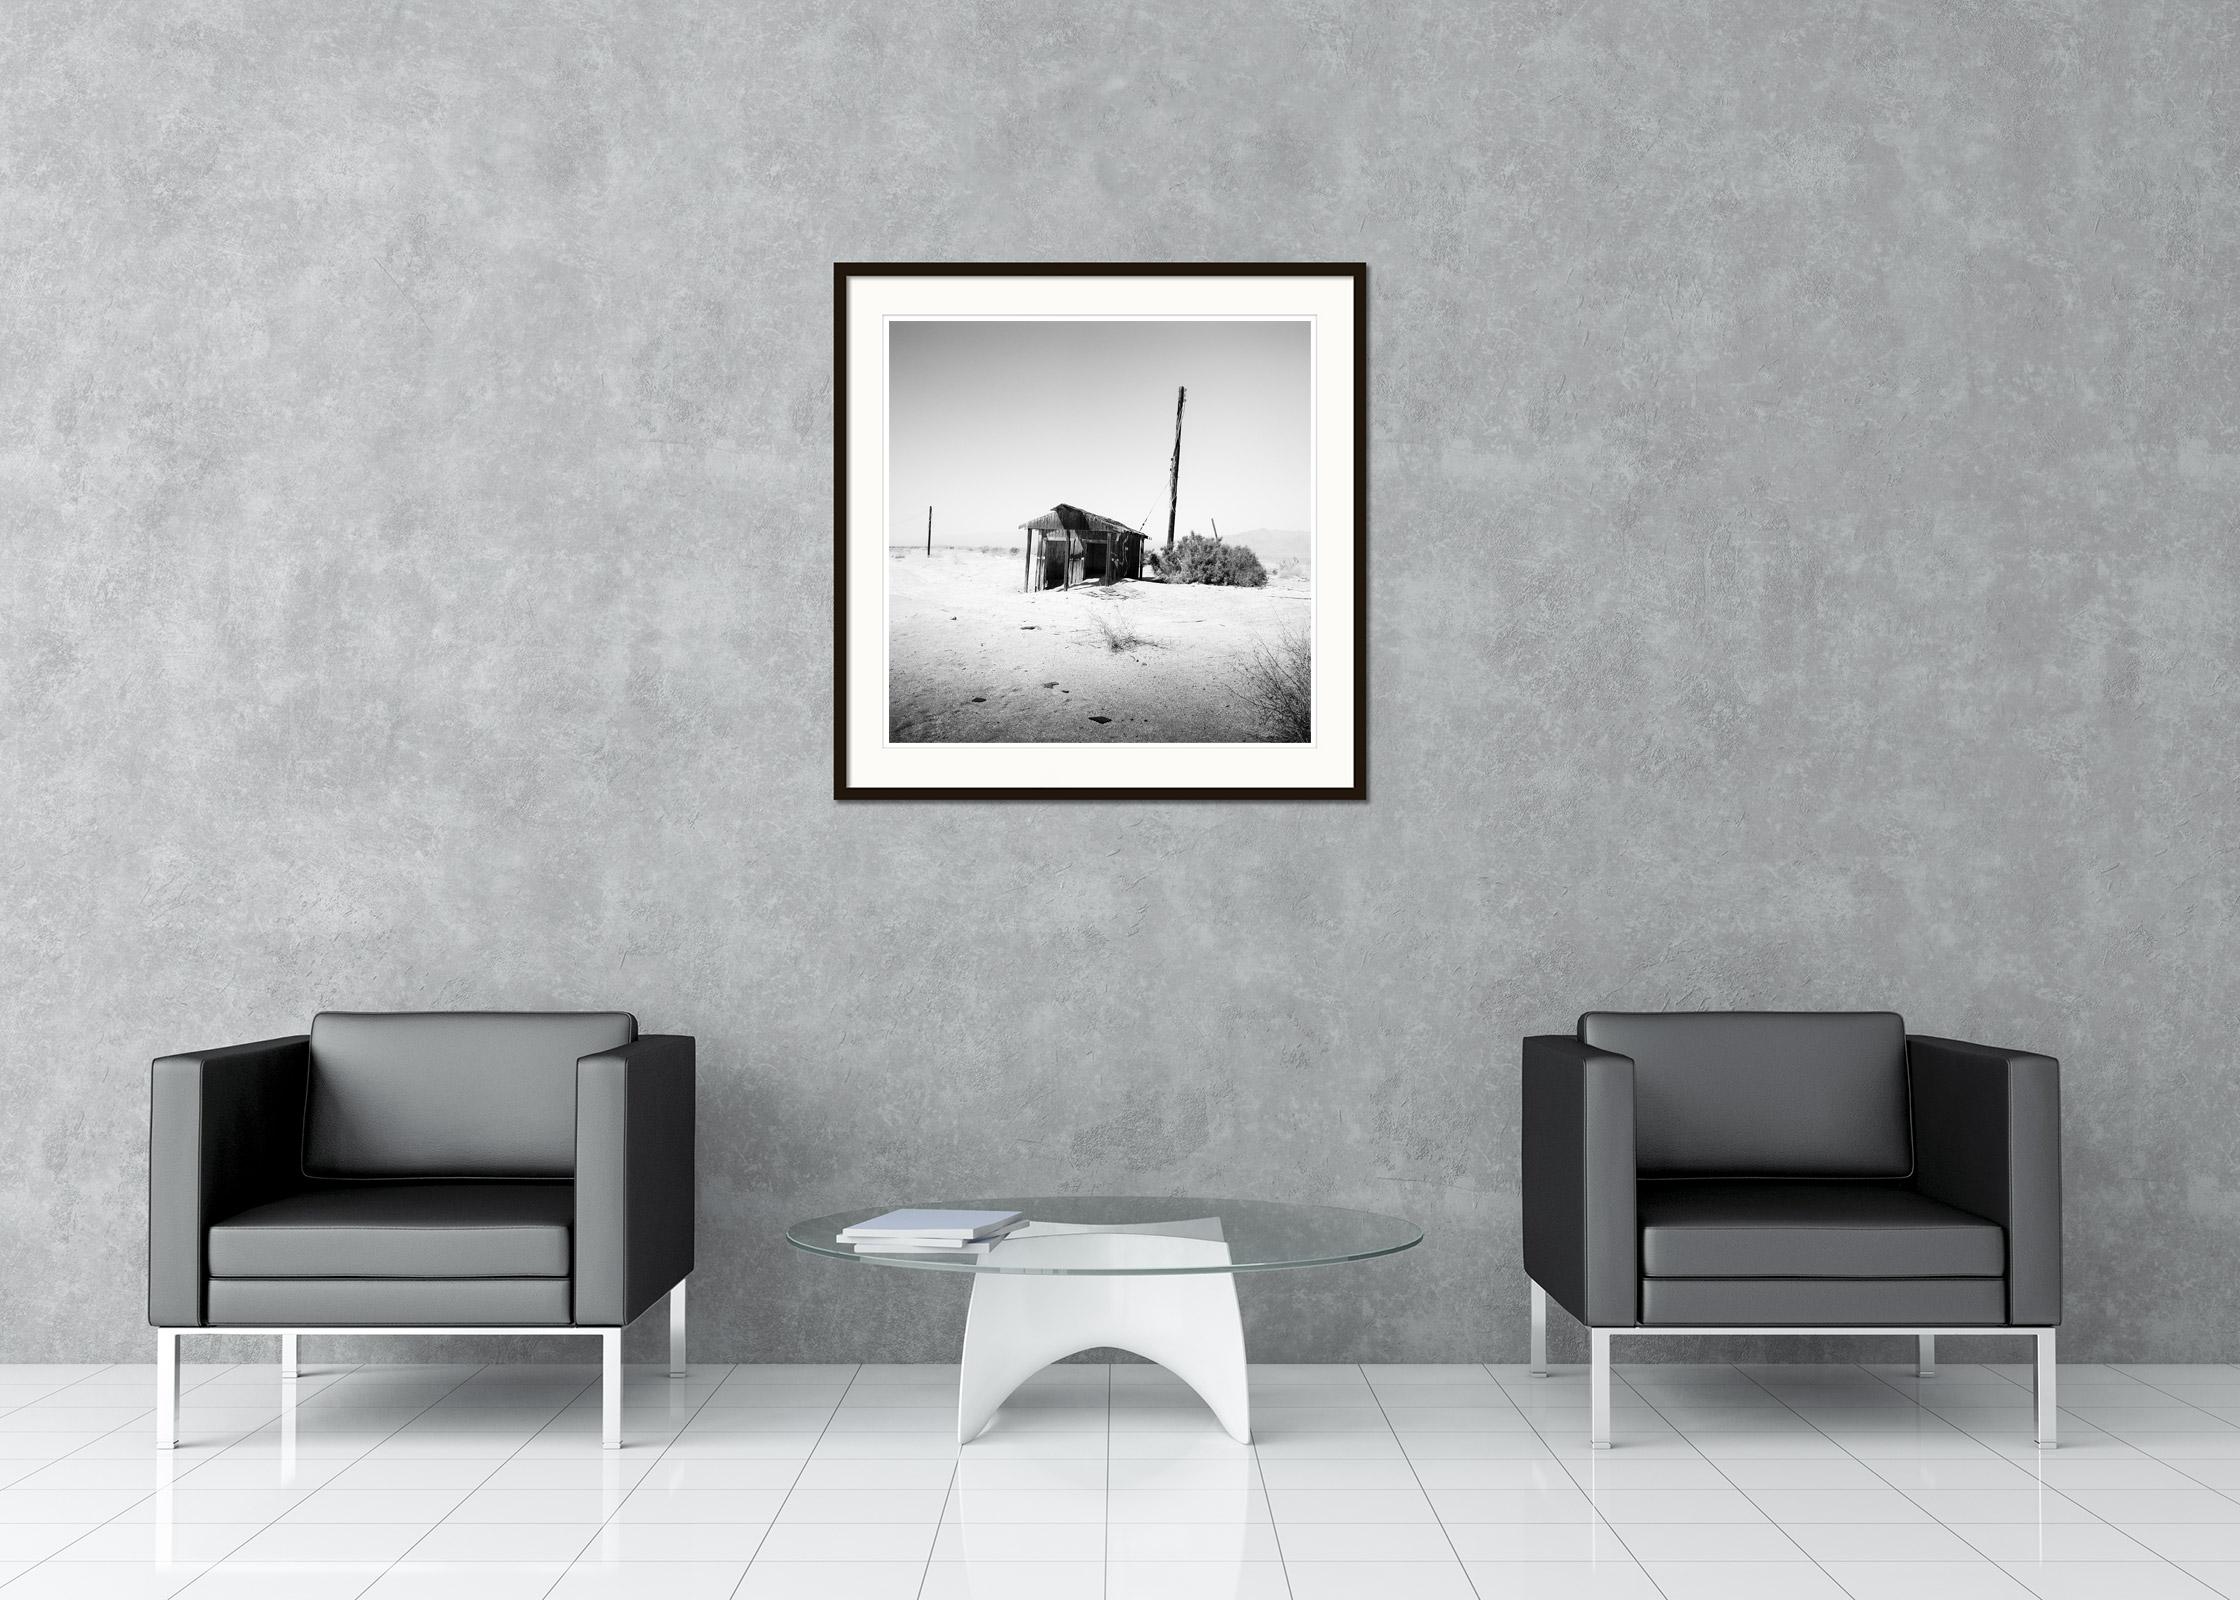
[929, 532]
[1174, 468]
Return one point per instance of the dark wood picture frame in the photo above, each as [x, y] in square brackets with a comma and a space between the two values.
[844, 788]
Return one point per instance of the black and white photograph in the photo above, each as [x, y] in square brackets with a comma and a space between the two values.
[1071, 624]
[1098, 525]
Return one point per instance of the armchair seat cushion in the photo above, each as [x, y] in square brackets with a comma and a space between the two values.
[402, 1230]
[1750, 1229]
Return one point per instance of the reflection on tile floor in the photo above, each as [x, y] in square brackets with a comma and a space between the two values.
[756, 1482]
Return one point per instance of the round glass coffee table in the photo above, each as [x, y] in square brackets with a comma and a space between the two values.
[1154, 1277]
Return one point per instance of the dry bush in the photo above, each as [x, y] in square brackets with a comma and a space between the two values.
[1200, 560]
[1119, 636]
[1277, 681]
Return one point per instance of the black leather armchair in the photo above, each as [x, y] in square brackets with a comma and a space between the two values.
[1789, 1172]
[431, 1172]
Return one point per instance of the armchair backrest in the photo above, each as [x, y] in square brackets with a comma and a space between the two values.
[450, 1094]
[1764, 1094]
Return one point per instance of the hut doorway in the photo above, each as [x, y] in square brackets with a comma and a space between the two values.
[1053, 563]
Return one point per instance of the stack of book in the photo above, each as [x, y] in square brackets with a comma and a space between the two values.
[966, 1234]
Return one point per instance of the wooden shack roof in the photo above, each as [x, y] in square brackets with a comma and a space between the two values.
[1073, 519]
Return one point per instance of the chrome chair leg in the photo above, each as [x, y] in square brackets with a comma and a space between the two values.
[610, 1388]
[1598, 1389]
[167, 1388]
[1539, 1331]
[2042, 1391]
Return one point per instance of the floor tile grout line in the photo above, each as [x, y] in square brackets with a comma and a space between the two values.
[72, 1455]
[213, 1564]
[667, 1448]
[493, 1472]
[273, 1522]
[1437, 1521]
[2172, 1465]
[1602, 1521]
[1746, 1494]
[2144, 1383]
[956, 1462]
[1866, 1449]
[2043, 1487]
[144, 1418]
[1969, 1433]
[846, 1389]
[686, 1426]
[1943, 1369]
[654, 1465]
[1104, 1544]
[99, 1367]
[2181, 1471]
[1259, 1473]
[1992, 1367]
[1869, 1463]
[608, 1520]
[480, 1367]
[138, 1422]
[1934, 1519]
[439, 1522]
[233, 1444]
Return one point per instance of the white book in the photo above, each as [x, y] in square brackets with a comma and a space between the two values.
[922, 1224]
[895, 1247]
[920, 1241]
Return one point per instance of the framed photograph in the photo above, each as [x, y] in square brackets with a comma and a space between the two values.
[1101, 531]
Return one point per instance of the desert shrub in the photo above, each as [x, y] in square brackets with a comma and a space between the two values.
[1277, 681]
[1196, 559]
[1119, 636]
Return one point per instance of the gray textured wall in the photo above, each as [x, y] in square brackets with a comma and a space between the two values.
[1803, 573]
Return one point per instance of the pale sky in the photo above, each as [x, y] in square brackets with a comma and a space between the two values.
[991, 423]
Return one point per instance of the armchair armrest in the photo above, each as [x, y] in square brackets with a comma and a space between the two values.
[225, 1132]
[1987, 1138]
[634, 1177]
[1581, 1242]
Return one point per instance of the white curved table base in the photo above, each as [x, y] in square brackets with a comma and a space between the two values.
[1186, 1322]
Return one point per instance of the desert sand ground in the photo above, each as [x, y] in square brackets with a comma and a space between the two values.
[974, 660]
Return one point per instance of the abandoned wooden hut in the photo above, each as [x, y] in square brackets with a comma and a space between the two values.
[1067, 545]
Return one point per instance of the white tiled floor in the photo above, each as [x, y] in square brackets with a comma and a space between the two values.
[831, 1482]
